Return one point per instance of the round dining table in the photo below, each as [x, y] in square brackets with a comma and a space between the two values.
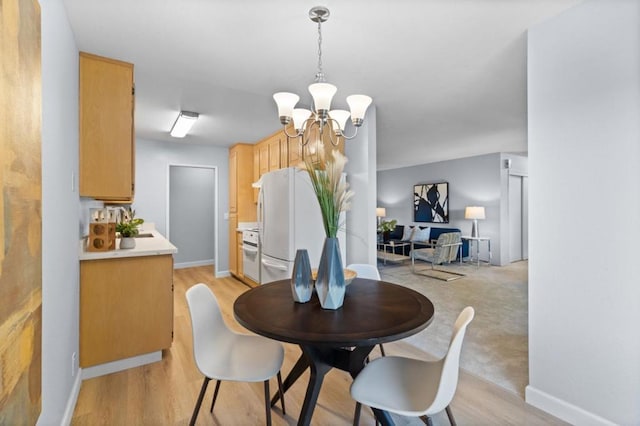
[373, 312]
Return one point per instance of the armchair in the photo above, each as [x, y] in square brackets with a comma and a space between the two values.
[444, 251]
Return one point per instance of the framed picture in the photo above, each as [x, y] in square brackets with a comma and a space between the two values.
[431, 202]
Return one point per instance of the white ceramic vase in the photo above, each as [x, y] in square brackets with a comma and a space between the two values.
[127, 242]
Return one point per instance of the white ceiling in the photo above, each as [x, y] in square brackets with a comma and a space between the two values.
[447, 77]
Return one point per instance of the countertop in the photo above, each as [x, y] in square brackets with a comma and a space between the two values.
[145, 246]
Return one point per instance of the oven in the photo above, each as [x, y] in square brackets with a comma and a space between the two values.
[251, 254]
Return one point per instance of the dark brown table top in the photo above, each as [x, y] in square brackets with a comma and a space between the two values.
[373, 312]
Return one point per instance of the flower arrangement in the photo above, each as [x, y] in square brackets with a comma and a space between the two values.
[331, 188]
[128, 224]
[387, 225]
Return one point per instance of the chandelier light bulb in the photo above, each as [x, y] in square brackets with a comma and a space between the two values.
[322, 95]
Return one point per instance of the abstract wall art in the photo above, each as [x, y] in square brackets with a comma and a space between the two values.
[431, 202]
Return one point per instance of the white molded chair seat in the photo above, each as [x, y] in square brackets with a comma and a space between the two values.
[412, 387]
[223, 354]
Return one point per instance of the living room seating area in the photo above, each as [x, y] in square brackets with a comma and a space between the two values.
[420, 237]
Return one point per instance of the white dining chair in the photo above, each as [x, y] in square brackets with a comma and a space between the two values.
[223, 354]
[370, 272]
[412, 387]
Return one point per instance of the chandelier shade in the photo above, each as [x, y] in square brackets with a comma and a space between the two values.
[321, 117]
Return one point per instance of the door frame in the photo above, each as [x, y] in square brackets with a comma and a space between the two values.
[523, 207]
[216, 188]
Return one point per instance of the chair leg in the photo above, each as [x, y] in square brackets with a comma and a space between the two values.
[427, 420]
[203, 389]
[281, 392]
[356, 414]
[267, 401]
[215, 395]
[382, 350]
[450, 415]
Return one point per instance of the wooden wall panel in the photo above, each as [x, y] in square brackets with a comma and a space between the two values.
[20, 212]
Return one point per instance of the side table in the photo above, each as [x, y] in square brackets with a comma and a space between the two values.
[477, 241]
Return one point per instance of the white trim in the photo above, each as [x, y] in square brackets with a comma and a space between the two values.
[73, 399]
[205, 262]
[562, 409]
[121, 364]
[216, 204]
[223, 274]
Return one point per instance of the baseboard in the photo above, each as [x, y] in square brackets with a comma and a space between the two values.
[73, 399]
[182, 265]
[122, 364]
[223, 274]
[561, 409]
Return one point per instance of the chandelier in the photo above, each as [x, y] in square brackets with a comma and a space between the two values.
[321, 117]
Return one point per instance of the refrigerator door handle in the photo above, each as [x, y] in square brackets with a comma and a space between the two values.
[273, 265]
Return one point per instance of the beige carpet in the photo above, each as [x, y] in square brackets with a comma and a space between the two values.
[496, 344]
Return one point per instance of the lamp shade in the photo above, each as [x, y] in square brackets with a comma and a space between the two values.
[381, 212]
[341, 116]
[322, 95]
[300, 115]
[358, 105]
[474, 212]
[286, 102]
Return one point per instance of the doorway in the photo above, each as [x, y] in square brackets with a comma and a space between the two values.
[192, 205]
[518, 217]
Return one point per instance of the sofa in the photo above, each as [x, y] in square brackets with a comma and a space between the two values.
[398, 235]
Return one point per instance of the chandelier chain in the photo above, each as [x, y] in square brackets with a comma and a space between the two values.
[320, 74]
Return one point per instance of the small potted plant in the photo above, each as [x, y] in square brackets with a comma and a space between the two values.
[385, 228]
[127, 226]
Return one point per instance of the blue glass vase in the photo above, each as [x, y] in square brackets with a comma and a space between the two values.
[301, 282]
[330, 284]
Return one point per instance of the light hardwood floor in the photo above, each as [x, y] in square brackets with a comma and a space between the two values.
[165, 392]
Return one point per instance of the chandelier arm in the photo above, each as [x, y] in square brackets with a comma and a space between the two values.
[350, 137]
[292, 136]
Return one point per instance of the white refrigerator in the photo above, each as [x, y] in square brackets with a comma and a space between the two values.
[289, 219]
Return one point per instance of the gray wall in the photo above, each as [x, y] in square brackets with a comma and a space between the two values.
[472, 181]
[60, 294]
[152, 164]
[191, 214]
[584, 153]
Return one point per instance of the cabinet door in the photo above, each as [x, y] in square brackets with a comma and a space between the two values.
[233, 244]
[126, 307]
[106, 128]
[294, 151]
[256, 172]
[233, 181]
[274, 153]
[263, 150]
[240, 258]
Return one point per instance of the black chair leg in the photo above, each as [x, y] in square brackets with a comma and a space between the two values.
[356, 414]
[382, 350]
[267, 401]
[450, 415]
[281, 392]
[215, 395]
[203, 389]
[427, 420]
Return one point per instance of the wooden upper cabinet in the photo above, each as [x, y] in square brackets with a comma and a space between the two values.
[233, 181]
[240, 180]
[263, 153]
[294, 152]
[274, 152]
[107, 162]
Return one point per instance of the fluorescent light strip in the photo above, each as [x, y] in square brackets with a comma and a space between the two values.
[183, 124]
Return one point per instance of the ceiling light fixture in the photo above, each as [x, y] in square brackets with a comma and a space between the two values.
[183, 123]
[322, 93]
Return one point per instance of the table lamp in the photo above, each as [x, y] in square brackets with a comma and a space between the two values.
[380, 213]
[474, 213]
